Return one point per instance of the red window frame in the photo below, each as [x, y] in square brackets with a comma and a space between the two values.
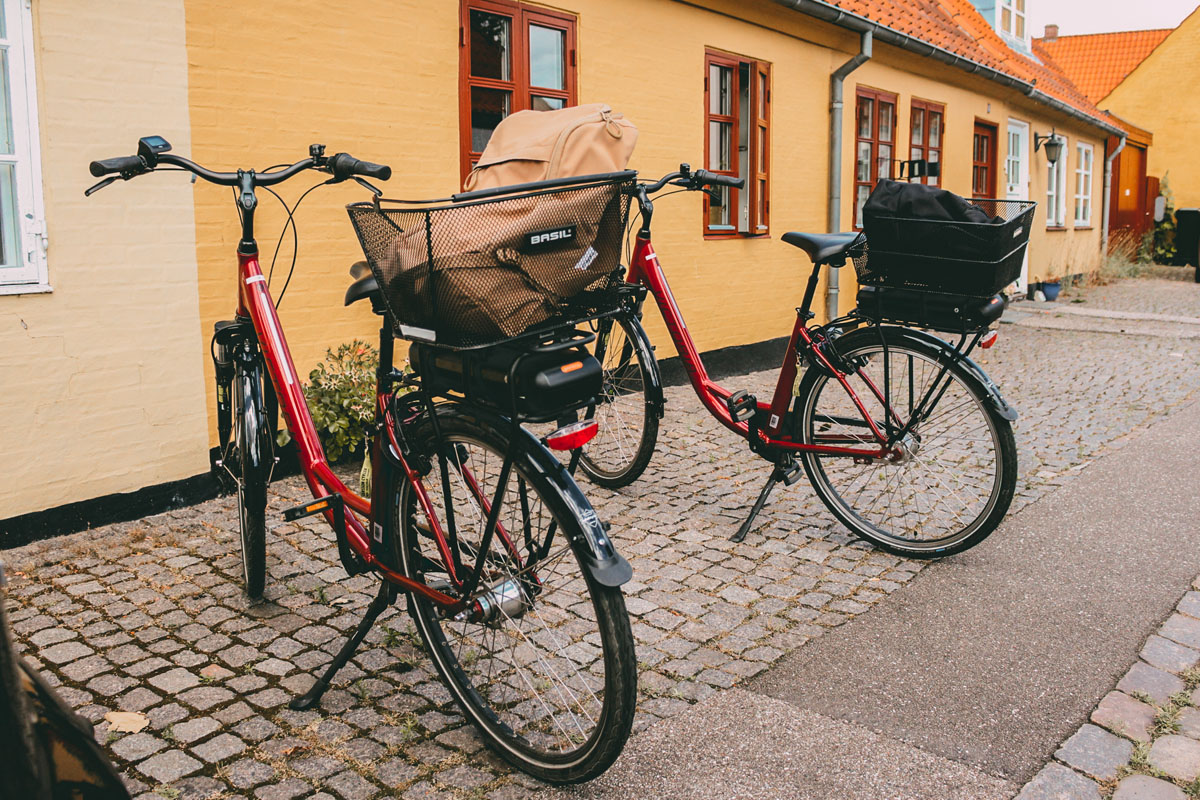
[984, 159]
[870, 137]
[520, 90]
[925, 111]
[758, 134]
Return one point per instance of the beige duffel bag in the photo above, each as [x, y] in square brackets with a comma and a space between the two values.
[532, 146]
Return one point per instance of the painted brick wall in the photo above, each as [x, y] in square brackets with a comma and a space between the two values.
[101, 387]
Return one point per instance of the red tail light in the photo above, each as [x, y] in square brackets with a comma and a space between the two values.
[577, 434]
[989, 339]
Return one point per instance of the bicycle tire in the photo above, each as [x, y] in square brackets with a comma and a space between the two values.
[254, 464]
[964, 400]
[484, 686]
[624, 444]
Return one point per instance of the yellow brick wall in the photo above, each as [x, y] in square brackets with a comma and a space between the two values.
[102, 384]
[382, 82]
[1161, 97]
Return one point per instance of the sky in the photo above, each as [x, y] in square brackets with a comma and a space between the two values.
[1101, 16]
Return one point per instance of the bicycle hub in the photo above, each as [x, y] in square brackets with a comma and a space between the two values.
[506, 601]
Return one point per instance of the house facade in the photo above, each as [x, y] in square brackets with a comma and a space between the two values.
[108, 385]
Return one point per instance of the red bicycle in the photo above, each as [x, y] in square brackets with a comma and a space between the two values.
[511, 578]
[903, 437]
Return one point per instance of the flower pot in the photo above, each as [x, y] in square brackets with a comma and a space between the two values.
[1051, 290]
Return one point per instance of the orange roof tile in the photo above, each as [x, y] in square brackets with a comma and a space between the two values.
[1097, 62]
[957, 27]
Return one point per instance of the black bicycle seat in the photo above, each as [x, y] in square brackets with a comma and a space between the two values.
[364, 284]
[823, 247]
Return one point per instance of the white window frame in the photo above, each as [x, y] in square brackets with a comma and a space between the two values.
[1011, 7]
[1084, 167]
[31, 276]
[1056, 185]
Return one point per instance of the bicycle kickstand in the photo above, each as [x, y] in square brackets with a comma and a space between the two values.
[386, 596]
[786, 471]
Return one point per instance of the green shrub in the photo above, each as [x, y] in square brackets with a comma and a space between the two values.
[1164, 229]
[341, 397]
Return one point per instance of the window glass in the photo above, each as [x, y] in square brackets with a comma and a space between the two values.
[866, 127]
[491, 45]
[935, 129]
[737, 120]
[887, 113]
[720, 92]
[720, 139]
[546, 59]
[917, 126]
[488, 108]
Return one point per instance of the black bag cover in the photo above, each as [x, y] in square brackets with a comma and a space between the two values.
[917, 201]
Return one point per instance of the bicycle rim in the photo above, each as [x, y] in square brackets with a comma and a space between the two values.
[550, 678]
[628, 426]
[950, 481]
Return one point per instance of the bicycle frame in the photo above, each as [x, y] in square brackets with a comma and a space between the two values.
[644, 268]
[256, 305]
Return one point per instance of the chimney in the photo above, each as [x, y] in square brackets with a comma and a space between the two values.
[1051, 33]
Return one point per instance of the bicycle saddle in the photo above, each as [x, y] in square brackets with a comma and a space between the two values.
[364, 284]
[824, 247]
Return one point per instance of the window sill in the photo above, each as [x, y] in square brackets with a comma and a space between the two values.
[1084, 228]
[25, 288]
[1057, 228]
[737, 235]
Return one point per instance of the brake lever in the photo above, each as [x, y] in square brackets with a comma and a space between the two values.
[101, 185]
[375, 190]
[711, 192]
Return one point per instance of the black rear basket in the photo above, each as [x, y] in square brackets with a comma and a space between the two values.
[974, 259]
[495, 263]
[941, 312]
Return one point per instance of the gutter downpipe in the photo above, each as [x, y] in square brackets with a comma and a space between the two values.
[1108, 162]
[836, 108]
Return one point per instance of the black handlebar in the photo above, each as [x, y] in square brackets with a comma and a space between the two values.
[134, 165]
[344, 165]
[703, 177]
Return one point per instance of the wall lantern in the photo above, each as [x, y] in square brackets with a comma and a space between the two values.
[1054, 145]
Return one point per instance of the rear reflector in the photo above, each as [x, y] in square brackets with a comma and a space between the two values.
[989, 339]
[569, 437]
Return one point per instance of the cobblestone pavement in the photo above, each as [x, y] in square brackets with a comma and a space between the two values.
[1143, 739]
[149, 616]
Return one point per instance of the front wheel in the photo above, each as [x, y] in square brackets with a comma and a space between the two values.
[254, 460]
[628, 420]
[547, 670]
[949, 481]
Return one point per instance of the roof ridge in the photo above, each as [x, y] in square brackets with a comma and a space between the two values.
[1103, 33]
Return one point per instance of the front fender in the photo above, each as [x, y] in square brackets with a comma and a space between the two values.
[1002, 406]
[654, 388]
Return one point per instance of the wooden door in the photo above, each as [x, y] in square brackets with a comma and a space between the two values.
[983, 161]
[1128, 201]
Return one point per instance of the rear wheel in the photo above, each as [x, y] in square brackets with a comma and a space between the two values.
[548, 674]
[628, 422]
[254, 460]
[947, 484]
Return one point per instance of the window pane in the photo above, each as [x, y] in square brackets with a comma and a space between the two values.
[718, 208]
[547, 57]
[1020, 30]
[935, 129]
[762, 149]
[491, 45]
[916, 152]
[1006, 20]
[866, 127]
[762, 204]
[6, 131]
[539, 103]
[887, 113]
[862, 167]
[719, 146]
[918, 126]
[1021, 6]
[860, 200]
[720, 90]
[9, 238]
[3, 24]
[884, 169]
[934, 156]
[762, 96]
[488, 107]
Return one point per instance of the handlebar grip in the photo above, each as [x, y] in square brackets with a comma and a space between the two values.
[108, 166]
[344, 165]
[703, 177]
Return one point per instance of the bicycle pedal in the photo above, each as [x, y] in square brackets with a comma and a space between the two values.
[742, 405]
[312, 507]
[790, 472]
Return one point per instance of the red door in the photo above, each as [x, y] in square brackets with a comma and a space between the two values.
[1128, 200]
[983, 161]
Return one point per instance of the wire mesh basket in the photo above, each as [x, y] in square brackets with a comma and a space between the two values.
[975, 259]
[491, 265]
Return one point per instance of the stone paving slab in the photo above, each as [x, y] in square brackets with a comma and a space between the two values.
[739, 744]
[137, 602]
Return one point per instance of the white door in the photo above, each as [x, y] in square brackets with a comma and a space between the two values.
[1016, 180]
